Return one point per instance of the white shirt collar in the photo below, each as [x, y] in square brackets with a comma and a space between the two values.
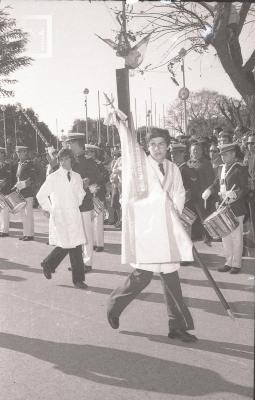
[65, 171]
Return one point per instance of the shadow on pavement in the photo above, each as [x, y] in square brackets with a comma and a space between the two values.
[38, 237]
[213, 261]
[221, 285]
[241, 309]
[231, 349]
[8, 265]
[11, 278]
[112, 248]
[124, 369]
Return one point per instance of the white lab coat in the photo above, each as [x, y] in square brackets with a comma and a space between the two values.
[62, 199]
[152, 233]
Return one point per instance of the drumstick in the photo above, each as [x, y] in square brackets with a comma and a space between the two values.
[204, 203]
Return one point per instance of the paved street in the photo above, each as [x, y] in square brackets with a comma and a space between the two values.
[55, 341]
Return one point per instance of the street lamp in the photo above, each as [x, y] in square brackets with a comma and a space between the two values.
[86, 92]
[184, 92]
[3, 108]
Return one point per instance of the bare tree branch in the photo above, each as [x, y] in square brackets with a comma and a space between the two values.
[243, 14]
[250, 63]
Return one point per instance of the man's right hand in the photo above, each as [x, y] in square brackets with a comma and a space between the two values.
[206, 194]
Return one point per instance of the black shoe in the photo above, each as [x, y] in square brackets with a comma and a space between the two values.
[94, 247]
[21, 238]
[184, 336]
[80, 285]
[87, 268]
[46, 270]
[2, 234]
[235, 270]
[113, 321]
[99, 249]
[208, 242]
[28, 238]
[226, 268]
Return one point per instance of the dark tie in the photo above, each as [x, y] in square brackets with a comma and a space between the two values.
[69, 175]
[161, 168]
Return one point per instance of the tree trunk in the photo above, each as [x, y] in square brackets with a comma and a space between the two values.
[250, 102]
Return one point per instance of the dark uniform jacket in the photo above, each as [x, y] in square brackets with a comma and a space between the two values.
[204, 171]
[6, 177]
[25, 171]
[237, 176]
[190, 183]
[88, 168]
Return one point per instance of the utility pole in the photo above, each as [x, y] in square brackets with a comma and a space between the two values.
[151, 119]
[99, 117]
[122, 74]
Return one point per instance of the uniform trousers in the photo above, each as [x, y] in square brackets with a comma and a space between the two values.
[233, 245]
[89, 234]
[27, 216]
[98, 223]
[178, 313]
[4, 220]
[75, 254]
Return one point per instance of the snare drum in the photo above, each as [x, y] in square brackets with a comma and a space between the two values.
[2, 201]
[98, 206]
[188, 217]
[15, 202]
[221, 223]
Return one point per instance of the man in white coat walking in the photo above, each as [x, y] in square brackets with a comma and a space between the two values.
[60, 197]
[153, 239]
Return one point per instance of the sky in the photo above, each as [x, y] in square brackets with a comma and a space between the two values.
[68, 57]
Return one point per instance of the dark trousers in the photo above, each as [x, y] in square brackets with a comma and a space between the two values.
[75, 254]
[203, 214]
[178, 313]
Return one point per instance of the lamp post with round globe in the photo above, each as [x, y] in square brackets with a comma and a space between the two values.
[3, 108]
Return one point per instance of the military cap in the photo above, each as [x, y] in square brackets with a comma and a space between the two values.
[251, 139]
[74, 136]
[177, 147]
[225, 134]
[21, 148]
[227, 147]
[91, 147]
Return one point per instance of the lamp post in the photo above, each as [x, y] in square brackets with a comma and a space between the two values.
[3, 108]
[184, 92]
[86, 92]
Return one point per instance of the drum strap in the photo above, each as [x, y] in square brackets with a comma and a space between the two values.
[223, 176]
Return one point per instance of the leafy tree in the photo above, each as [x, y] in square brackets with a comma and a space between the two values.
[203, 112]
[79, 125]
[235, 111]
[20, 132]
[12, 45]
[197, 25]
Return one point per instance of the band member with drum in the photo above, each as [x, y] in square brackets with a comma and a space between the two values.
[5, 188]
[189, 176]
[232, 186]
[205, 175]
[26, 176]
[98, 220]
[153, 238]
[90, 174]
[60, 197]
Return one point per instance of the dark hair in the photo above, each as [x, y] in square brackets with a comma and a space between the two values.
[65, 153]
[158, 132]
